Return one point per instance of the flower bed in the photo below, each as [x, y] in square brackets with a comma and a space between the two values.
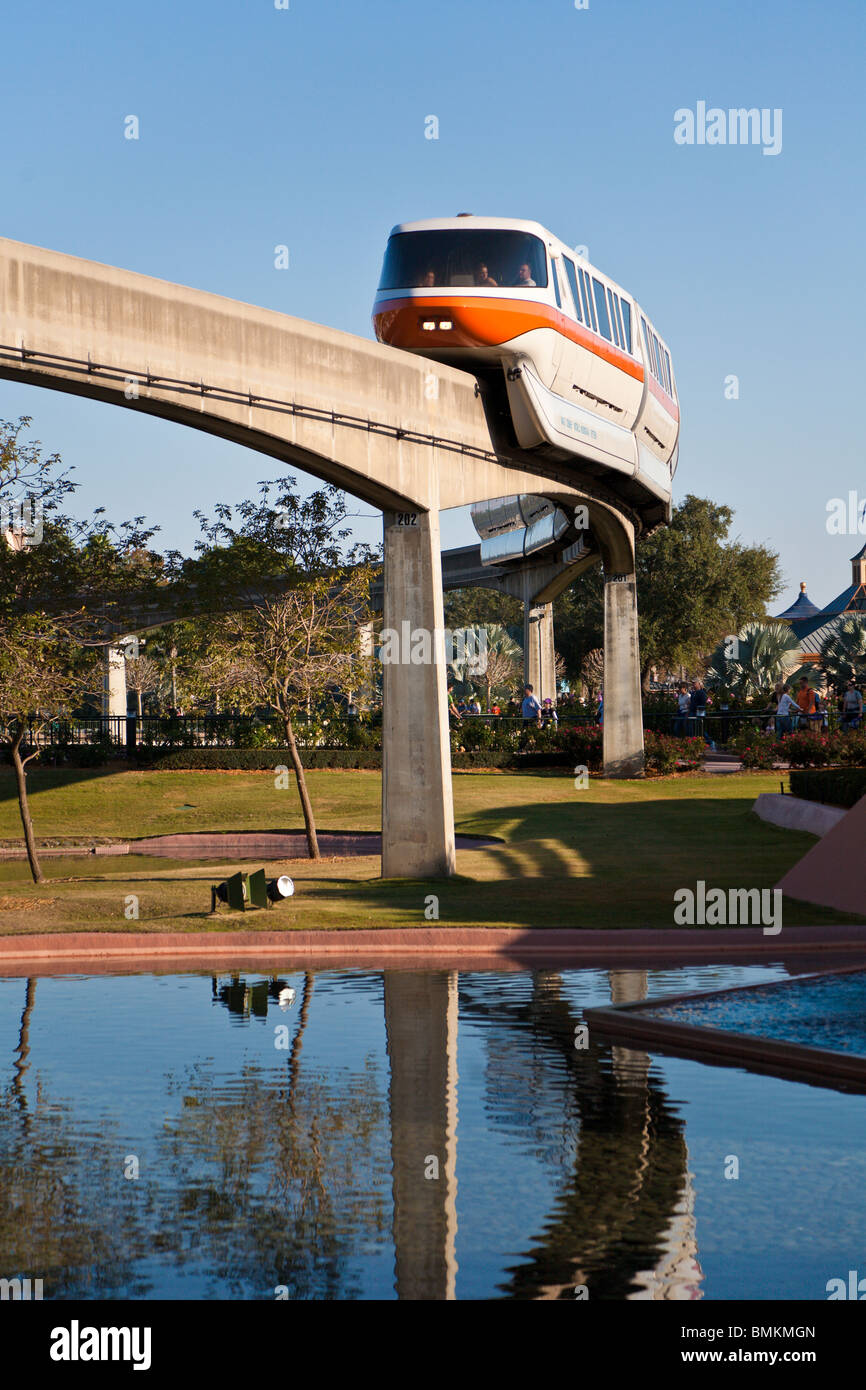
[804, 749]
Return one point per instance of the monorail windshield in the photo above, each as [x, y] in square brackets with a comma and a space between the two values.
[485, 259]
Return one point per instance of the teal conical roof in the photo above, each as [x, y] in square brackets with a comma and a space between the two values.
[801, 608]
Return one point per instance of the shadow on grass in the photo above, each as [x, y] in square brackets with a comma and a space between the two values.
[579, 863]
[594, 864]
[42, 776]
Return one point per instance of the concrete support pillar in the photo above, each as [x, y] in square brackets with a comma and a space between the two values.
[417, 802]
[538, 651]
[114, 682]
[623, 711]
[421, 1026]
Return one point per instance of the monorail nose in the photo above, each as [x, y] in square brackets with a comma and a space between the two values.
[423, 325]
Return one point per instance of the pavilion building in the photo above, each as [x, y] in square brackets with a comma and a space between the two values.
[813, 625]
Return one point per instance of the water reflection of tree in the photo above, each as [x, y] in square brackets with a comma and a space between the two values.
[618, 1145]
[280, 1179]
[67, 1215]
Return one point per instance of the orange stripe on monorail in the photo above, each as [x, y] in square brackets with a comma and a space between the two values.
[662, 396]
[490, 322]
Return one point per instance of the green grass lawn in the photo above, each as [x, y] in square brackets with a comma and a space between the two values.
[608, 856]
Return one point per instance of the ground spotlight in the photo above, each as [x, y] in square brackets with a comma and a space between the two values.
[243, 891]
[233, 891]
[280, 888]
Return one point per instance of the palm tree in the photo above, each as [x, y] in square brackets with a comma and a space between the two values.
[843, 654]
[504, 662]
[764, 654]
[490, 667]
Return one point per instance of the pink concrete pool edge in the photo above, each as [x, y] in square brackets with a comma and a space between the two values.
[631, 1023]
[471, 947]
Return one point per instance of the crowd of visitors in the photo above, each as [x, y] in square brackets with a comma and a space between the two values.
[807, 708]
[803, 708]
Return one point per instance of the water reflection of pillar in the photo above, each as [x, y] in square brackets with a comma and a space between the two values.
[421, 1024]
[627, 986]
[677, 1273]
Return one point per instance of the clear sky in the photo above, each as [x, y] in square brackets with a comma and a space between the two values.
[305, 126]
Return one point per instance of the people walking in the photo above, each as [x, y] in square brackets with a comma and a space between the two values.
[530, 708]
[683, 707]
[697, 708]
[852, 707]
[807, 704]
[786, 711]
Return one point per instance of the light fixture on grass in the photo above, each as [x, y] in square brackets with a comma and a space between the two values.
[280, 888]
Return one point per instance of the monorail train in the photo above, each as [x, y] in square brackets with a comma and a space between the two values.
[586, 374]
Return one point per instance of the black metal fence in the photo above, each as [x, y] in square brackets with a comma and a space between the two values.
[128, 733]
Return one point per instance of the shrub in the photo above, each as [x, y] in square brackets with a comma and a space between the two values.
[253, 759]
[838, 786]
[95, 754]
[759, 751]
[852, 748]
[805, 749]
[569, 748]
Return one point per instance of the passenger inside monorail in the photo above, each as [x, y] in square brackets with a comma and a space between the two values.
[485, 258]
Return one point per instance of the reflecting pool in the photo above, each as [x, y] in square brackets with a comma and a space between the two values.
[827, 1011]
[406, 1133]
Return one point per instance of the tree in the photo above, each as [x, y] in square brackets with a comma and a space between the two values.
[843, 653]
[763, 654]
[694, 587]
[482, 608]
[578, 621]
[293, 596]
[142, 677]
[592, 673]
[61, 589]
[35, 686]
[504, 663]
[24, 470]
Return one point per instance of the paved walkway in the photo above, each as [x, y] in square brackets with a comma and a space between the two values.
[722, 762]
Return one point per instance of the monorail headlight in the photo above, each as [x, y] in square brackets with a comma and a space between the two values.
[428, 325]
[445, 323]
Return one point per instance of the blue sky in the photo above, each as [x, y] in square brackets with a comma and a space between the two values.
[305, 126]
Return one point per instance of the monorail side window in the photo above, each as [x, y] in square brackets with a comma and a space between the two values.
[588, 306]
[601, 306]
[618, 307]
[626, 321]
[571, 276]
[555, 282]
[658, 356]
[661, 362]
[455, 258]
[670, 375]
[647, 335]
[615, 325]
[664, 366]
